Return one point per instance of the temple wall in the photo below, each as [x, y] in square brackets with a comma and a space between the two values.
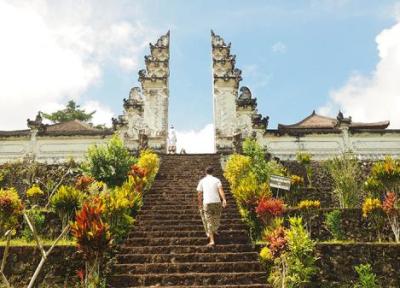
[324, 146]
[47, 149]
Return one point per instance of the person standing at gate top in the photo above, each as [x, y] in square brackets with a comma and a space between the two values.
[172, 140]
[210, 193]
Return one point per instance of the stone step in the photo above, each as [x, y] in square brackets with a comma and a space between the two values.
[190, 249]
[177, 227]
[185, 217]
[185, 222]
[185, 258]
[190, 212]
[192, 233]
[188, 279]
[205, 267]
[161, 241]
[175, 206]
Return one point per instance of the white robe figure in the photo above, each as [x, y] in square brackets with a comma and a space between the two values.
[172, 140]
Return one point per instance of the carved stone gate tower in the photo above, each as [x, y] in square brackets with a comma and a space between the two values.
[235, 115]
[144, 122]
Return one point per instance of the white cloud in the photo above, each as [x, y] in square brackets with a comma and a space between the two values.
[373, 97]
[192, 141]
[103, 113]
[279, 48]
[54, 51]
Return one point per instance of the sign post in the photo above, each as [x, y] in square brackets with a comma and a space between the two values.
[279, 182]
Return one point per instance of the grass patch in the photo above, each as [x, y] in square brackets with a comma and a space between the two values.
[45, 242]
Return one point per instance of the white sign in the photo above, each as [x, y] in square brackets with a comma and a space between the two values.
[279, 182]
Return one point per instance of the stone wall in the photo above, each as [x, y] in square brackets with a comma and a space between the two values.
[46, 149]
[58, 271]
[355, 227]
[337, 261]
[365, 145]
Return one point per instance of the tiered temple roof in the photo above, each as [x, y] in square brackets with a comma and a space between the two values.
[319, 123]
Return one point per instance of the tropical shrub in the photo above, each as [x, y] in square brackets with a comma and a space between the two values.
[295, 266]
[83, 182]
[384, 177]
[309, 204]
[304, 159]
[11, 209]
[266, 255]
[333, 223]
[119, 205]
[277, 241]
[150, 162]
[391, 208]
[366, 277]
[346, 175]
[65, 202]
[296, 182]
[109, 163]
[138, 178]
[37, 218]
[307, 207]
[249, 177]
[93, 238]
[372, 210]
[34, 194]
[269, 208]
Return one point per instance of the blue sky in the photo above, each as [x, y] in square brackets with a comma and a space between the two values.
[296, 56]
[323, 45]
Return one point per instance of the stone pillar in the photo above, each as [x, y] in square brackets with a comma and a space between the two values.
[144, 123]
[36, 126]
[155, 90]
[131, 124]
[235, 117]
[226, 79]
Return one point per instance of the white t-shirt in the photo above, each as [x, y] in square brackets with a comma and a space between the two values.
[209, 185]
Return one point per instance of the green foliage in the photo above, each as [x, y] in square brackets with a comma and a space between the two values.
[37, 219]
[296, 266]
[258, 163]
[66, 201]
[119, 204]
[109, 163]
[11, 209]
[384, 177]
[249, 176]
[366, 277]
[333, 222]
[304, 159]
[150, 162]
[346, 175]
[70, 112]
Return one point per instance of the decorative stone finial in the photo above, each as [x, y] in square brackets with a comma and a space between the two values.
[218, 41]
[37, 123]
[343, 120]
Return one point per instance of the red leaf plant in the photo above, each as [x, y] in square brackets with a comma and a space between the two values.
[138, 175]
[83, 182]
[91, 233]
[277, 242]
[391, 208]
[93, 238]
[268, 208]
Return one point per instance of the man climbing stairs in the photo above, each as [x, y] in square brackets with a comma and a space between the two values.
[167, 245]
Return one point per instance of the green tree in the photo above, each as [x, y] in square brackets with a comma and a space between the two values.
[71, 112]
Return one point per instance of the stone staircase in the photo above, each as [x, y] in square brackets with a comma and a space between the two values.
[167, 245]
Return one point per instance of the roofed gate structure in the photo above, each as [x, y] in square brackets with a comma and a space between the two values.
[144, 122]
